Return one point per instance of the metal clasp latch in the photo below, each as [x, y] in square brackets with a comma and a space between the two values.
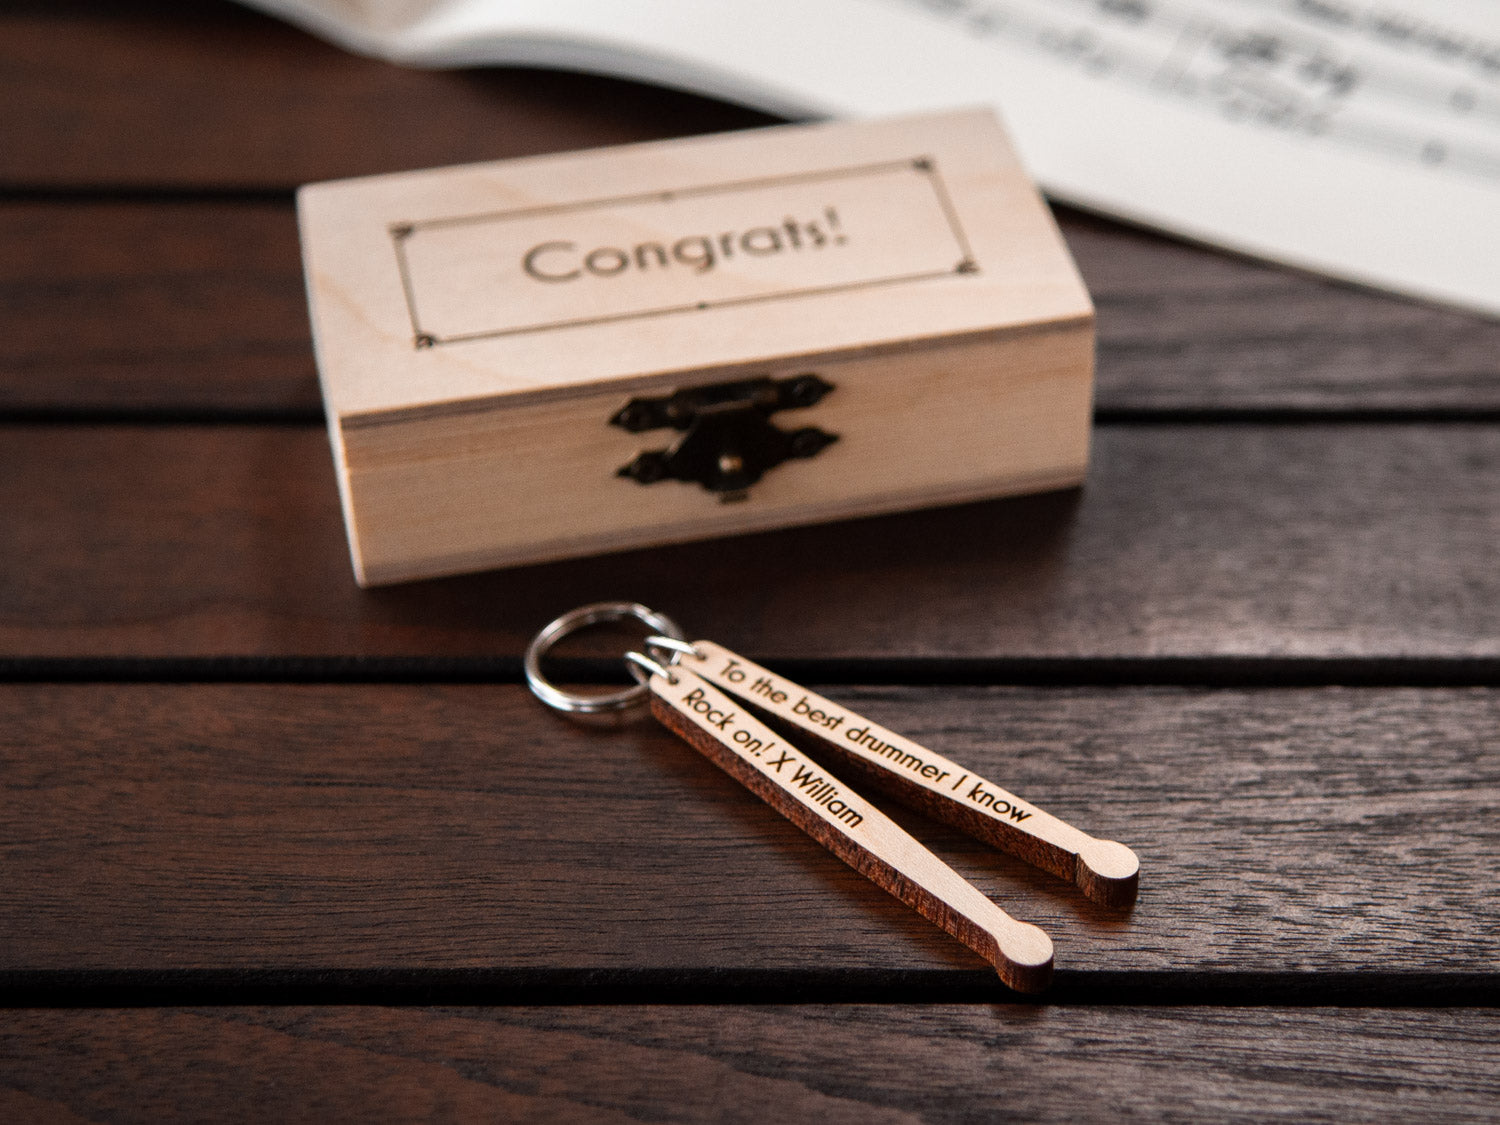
[728, 441]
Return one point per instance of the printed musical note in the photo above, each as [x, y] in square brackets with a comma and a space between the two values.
[1341, 71]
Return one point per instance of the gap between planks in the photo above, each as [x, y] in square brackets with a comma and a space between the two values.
[407, 987]
[1190, 672]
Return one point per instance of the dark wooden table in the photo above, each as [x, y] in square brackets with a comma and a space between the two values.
[277, 849]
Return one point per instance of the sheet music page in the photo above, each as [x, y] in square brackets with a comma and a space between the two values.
[1356, 138]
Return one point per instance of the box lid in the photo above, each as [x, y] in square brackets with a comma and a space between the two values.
[457, 288]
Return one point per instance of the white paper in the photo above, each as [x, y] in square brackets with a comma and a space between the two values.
[1357, 139]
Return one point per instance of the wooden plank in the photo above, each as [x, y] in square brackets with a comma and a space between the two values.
[154, 306]
[1186, 328]
[856, 1064]
[1289, 833]
[214, 318]
[1300, 543]
[214, 96]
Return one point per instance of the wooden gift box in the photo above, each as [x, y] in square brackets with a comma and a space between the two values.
[563, 355]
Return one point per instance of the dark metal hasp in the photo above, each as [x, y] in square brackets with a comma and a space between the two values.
[729, 441]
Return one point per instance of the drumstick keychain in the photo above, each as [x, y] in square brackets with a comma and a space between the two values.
[689, 686]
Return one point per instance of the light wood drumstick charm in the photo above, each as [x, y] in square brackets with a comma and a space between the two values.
[1104, 870]
[710, 697]
[848, 826]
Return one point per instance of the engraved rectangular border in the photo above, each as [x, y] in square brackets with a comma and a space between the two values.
[924, 165]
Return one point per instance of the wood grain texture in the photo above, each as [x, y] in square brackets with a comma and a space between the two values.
[154, 96]
[840, 819]
[200, 306]
[1290, 833]
[1183, 327]
[543, 480]
[1248, 542]
[750, 1064]
[214, 96]
[408, 830]
[154, 306]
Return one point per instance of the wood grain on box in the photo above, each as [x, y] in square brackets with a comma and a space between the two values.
[478, 329]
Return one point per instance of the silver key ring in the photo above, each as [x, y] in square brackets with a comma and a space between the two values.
[576, 703]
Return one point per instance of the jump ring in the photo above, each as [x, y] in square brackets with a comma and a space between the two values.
[642, 667]
[575, 703]
[676, 646]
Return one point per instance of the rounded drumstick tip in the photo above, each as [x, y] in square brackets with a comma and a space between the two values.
[1108, 873]
[1024, 961]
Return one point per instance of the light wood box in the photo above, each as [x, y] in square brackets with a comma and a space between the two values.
[488, 336]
